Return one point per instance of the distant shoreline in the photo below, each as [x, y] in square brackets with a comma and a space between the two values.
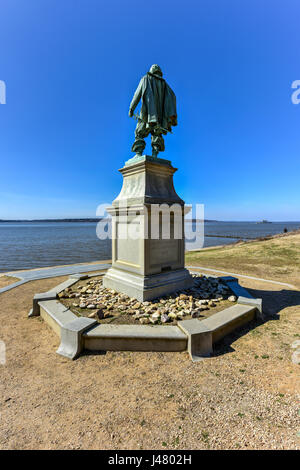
[93, 220]
[80, 220]
[35, 245]
[102, 218]
[50, 220]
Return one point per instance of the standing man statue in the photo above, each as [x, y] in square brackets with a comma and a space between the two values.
[158, 111]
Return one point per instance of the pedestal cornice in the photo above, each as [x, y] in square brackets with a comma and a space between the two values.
[148, 182]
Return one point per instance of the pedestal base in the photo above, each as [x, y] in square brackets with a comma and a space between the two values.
[147, 287]
[149, 264]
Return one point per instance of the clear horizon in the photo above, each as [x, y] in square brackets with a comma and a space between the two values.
[87, 218]
[71, 68]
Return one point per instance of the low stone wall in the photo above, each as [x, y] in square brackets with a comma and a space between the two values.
[196, 336]
[223, 323]
[55, 314]
[135, 338]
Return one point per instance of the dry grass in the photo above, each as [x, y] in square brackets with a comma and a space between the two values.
[7, 280]
[277, 259]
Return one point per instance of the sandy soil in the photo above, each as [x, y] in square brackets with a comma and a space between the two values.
[7, 280]
[246, 396]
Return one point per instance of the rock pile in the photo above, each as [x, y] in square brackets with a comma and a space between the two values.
[205, 293]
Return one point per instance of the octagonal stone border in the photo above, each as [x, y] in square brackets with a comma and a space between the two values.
[195, 336]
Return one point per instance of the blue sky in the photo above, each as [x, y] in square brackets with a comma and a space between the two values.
[72, 66]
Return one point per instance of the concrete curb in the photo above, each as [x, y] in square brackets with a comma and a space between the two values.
[56, 315]
[244, 297]
[71, 337]
[43, 296]
[199, 338]
[135, 338]
[49, 295]
[222, 323]
[202, 334]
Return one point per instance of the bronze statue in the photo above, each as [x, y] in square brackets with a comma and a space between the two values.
[158, 111]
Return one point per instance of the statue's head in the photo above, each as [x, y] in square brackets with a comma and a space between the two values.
[156, 70]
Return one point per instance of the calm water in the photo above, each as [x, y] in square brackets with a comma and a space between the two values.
[31, 245]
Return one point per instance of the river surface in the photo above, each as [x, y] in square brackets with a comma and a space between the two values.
[26, 245]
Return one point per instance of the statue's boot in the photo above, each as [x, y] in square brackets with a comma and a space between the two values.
[138, 146]
[141, 133]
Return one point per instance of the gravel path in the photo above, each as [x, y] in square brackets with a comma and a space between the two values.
[45, 273]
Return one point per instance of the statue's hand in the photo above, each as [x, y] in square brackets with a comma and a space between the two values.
[130, 114]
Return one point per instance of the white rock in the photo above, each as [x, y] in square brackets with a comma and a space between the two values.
[232, 298]
[153, 320]
[172, 315]
[155, 315]
[144, 320]
[181, 314]
[202, 302]
[164, 318]
[295, 344]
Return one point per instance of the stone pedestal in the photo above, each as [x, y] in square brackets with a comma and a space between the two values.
[147, 261]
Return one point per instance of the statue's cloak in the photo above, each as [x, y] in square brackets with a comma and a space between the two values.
[158, 102]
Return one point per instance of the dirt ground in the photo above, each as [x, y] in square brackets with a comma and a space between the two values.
[244, 397]
[7, 280]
